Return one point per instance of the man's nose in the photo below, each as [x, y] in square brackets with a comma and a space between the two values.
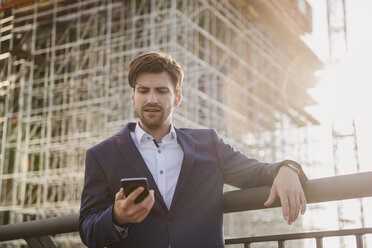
[153, 97]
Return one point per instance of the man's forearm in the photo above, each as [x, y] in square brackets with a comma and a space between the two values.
[98, 229]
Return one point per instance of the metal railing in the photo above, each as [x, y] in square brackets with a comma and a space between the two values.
[352, 186]
[318, 236]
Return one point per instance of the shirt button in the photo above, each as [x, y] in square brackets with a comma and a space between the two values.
[159, 151]
[161, 172]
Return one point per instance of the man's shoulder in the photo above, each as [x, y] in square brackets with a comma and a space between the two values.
[198, 133]
[197, 130]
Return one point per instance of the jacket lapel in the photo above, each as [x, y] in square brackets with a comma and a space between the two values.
[187, 146]
[128, 149]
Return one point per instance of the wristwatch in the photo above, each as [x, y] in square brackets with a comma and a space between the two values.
[293, 167]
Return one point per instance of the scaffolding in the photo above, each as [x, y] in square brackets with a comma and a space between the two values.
[337, 29]
[344, 137]
[346, 161]
[63, 85]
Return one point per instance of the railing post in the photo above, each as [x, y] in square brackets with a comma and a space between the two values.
[247, 245]
[319, 242]
[42, 242]
[281, 244]
[359, 241]
[33, 243]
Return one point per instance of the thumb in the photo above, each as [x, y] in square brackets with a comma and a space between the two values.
[271, 199]
[120, 195]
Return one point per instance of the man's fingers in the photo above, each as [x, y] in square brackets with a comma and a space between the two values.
[291, 194]
[294, 208]
[129, 212]
[132, 196]
[142, 209]
[120, 195]
[151, 194]
[271, 199]
[149, 200]
[303, 203]
[298, 207]
[147, 203]
[285, 207]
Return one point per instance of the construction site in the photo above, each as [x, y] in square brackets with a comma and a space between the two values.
[64, 88]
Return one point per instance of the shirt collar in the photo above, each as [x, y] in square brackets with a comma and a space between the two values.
[142, 136]
[172, 135]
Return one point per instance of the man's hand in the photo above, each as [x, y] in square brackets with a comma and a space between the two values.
[288, 187]
[126, 211]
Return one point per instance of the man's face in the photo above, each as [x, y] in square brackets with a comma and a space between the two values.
[154, 99]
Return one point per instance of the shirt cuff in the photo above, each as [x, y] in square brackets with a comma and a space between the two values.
[122, 230]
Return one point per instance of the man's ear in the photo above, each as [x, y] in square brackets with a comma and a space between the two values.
[133, 97]
[178, 99]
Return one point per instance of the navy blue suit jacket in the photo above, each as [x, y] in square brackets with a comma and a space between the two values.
[195, 216]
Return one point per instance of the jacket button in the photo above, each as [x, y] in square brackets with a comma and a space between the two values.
[170, 218]
[111, 239]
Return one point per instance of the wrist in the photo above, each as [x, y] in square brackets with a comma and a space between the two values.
[292, 167]
[117, 220]
[300, 173]
[121, 223]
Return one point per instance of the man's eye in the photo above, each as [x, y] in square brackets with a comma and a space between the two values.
[163, 91]
[142, 90]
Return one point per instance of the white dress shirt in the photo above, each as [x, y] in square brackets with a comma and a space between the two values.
[164, 160]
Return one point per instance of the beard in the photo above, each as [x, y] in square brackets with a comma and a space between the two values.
[153, 119]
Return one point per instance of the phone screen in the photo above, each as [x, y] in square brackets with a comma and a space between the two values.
[130, 184]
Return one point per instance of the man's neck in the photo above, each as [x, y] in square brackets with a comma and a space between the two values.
[157, 133]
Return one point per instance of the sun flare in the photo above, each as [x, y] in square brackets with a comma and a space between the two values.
[345, 87]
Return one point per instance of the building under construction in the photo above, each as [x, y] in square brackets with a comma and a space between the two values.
[63, 88]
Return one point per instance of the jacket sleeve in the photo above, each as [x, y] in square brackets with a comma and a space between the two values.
[243, 172]
[96, 226]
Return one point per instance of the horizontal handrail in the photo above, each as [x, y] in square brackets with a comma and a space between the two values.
[326, 189]
[317, 190]
[38, 228]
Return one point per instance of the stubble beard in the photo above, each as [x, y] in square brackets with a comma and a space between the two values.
[152, 123]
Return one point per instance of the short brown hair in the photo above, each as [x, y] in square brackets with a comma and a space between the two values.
[155, 62]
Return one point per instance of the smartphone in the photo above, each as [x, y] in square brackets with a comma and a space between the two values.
[130, 184]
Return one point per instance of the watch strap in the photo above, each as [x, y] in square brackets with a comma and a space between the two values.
[293, 167]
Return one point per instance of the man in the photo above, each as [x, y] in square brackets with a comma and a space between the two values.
[185, 169]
